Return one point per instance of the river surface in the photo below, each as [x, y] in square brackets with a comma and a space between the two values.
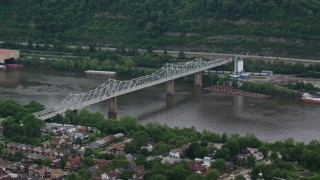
[270, 119]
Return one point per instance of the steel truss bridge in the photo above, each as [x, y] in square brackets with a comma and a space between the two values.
[113, 88]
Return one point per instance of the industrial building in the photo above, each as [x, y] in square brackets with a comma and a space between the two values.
[8, 56]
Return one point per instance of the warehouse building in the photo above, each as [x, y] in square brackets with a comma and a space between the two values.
[8, 56]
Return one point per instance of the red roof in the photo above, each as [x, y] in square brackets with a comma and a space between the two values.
[4, 51]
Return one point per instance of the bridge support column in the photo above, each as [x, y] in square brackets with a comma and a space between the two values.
[198, 79]
[170, 87]
[169, 100]
[112, 108]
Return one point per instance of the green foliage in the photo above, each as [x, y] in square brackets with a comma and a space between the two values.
[140, 138]
[18, 156]
[88, 161]
[220, 165]
[47, 162]
[269, 89]
[251, 161]
[213, 175]
[302, 86]
[274, 24]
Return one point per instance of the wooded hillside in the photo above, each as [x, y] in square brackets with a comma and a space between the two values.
[266, 26]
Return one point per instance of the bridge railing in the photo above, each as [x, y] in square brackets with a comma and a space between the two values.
[112, 87]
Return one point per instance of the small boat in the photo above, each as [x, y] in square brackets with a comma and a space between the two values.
[308, 98]
[14, 66]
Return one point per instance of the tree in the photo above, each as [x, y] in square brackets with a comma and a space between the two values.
[63, 163]
[129, 148]
[213, 175]
[158, 177]
[161, 148]
[251, 161]
[220, 165]
[181, 55]
[140, 138]
[47, 162]
[18, 156]
[125, 175]
[141, 160]
[196, 177]
[88, 161]
[274, 156]
[264, 150]
[34, 106]
[85, 174]
[233, 147]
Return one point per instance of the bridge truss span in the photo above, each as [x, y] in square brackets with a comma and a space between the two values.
[112, 87]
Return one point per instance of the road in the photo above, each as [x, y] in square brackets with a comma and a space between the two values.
[200, 54]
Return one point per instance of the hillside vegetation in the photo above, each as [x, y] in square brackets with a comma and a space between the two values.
[282, 27]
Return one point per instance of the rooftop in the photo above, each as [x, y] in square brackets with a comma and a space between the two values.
[4, 51]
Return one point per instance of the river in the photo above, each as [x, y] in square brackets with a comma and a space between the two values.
[270, 119]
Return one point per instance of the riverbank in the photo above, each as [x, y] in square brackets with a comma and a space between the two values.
[233, 91]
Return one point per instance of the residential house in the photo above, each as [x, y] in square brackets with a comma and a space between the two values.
[76, 135]
[129, 157]
[139, 172]
[119, 135]
[242, 159]
[149, 147]
[40, 171]
[229, 167]
[4, 175]
[109, 138]
[31, 169]
[101, 162]
[112, 175]
[258, 156]
[197, 167]
[175, 153]
[94, 170]
[207, 161]
[54, 174]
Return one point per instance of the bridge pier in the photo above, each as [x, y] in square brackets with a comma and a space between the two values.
[112, 108]
[198, 79]
[169, 100]
[170, 87]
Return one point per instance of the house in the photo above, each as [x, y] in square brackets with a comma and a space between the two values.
[174, 153]
[207, 161]
[82, 129]
[218, 145]
[4, 175]
[197, 167]
[229, 167]
[54, 174]
[31, 169]
[112, 175]
[109, 138]
[258, 156]
[101, 162]
[170, 160]
[149, 147]
[119, 135]
[76, 135]
[117, 148]
[97, 143]
[129, 157]
[139, 172]
[94, 170]
[241, 158]
[40, 171]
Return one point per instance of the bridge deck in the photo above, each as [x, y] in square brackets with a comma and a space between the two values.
[112, 88]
